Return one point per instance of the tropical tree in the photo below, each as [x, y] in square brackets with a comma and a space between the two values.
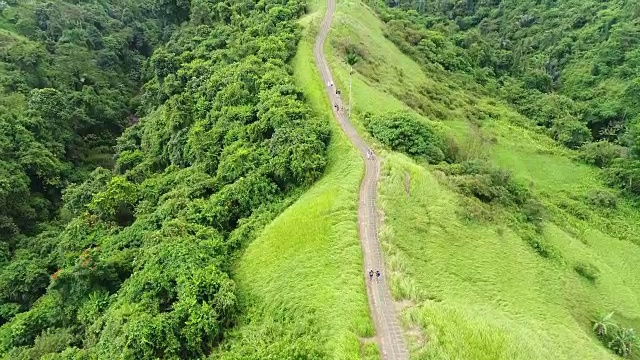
[603, 324]
[352, 59]
[623, 342]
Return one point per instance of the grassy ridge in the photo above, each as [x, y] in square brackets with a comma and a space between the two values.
[477, 290]
[308, 261]
[481, 292]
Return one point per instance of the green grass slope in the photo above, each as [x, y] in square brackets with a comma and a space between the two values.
[307, 263]
[477, 290]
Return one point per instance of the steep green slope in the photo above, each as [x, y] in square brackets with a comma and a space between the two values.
[481, 275]
[302, 276]
[69, 76]
[142, 268]
[70, 73]
[570, 66]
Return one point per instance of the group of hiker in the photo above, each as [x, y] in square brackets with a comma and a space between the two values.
[377, 274]
[370, 156]
[339, 108]
[336, 106]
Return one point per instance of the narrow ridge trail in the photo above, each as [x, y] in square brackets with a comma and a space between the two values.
[388, 332]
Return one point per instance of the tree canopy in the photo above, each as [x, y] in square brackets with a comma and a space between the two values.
[570, 66]
[139, 160]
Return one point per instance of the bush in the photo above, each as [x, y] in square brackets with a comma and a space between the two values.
[571, 133]
[176, 303]
[587, 271]
[486, 183]
[621, 340]
[600, 153]
[624, 174]
[25, 327]
[603, 199]
[402, 131]
[452, 151]
[537, 244]
[116, 202]
[533, 212]
[49, 342]
[77, 197]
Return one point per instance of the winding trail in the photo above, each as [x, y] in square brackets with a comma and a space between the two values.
[388, 332]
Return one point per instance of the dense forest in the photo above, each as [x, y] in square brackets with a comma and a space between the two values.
[142, 143]
[572, 67]
[69, 75]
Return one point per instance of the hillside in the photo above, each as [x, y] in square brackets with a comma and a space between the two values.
[503, 238]
[68, 87]
[133, 258]
[173, 183]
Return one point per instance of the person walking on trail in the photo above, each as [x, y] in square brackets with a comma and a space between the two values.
[378, 275]
[370, 274]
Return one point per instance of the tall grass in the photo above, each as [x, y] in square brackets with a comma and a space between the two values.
[477, 290]
[303, 276]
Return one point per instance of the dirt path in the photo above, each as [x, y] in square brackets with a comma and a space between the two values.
[388, 331]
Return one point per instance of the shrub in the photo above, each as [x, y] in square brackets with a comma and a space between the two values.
[587, 271]
[574, 208]
[538, 245]
[402, 131]
[539, 80]
[600, 153]
[77, 197]
[176, 303]
[116, 202]
[452, 151]
[25, 327]
[475, 210]
[621, 340]
[603, 199]
[51, 341]
[533, 212]
[571, 133]
[624, 174]
[488, 184]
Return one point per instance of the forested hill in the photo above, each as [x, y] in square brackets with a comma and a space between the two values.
[69, 73]
[571, 66]
[137, 265]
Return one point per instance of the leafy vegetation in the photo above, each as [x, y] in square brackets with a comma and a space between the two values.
[621, 340]
[302, 276]
[587, 271]
[575, 77]
[69, 78]
[138, 263]
[401, 131]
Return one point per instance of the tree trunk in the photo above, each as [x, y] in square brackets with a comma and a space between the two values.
[350, 83]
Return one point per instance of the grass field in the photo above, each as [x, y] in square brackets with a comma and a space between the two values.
[477, 290]
[306, 266]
